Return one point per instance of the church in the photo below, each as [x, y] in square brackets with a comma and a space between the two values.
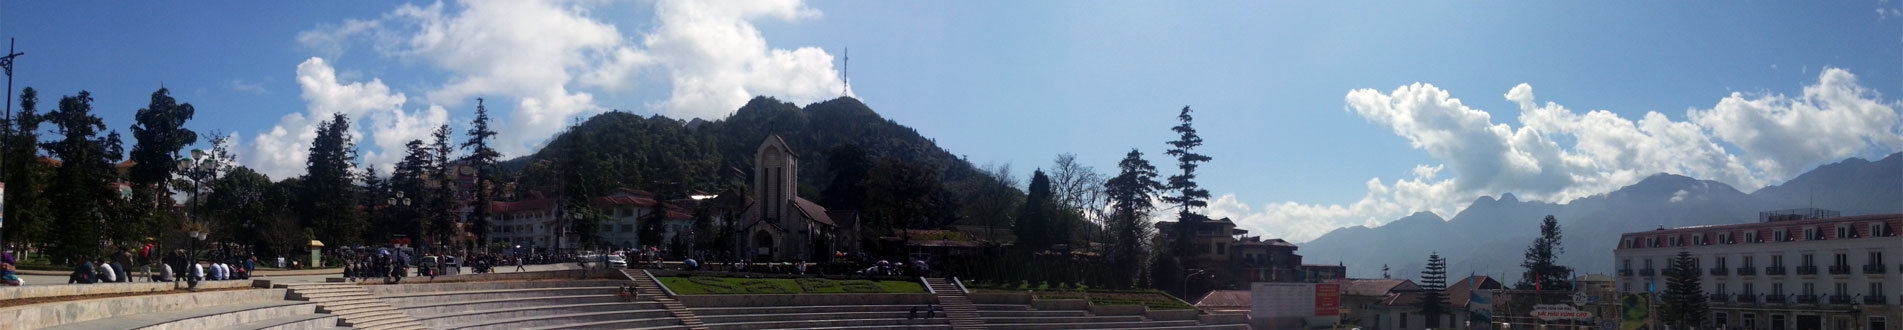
[779, 225]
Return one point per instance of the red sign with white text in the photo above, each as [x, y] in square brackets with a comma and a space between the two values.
[1327, 299]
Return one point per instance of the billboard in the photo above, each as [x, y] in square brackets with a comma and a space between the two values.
[1272, 300]
[1327, 299]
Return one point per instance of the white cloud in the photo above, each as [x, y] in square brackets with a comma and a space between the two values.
[280, 151]
[251, 87]
[540, 63]
[1745, 141]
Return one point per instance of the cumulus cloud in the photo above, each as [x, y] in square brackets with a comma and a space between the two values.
[371, 105]
[541, 63]
[1747, 141]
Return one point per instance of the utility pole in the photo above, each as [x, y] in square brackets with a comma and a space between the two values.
[6, 140]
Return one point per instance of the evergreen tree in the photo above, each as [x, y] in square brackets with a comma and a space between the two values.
[1129, 195]
[440, 182]
[1684, 299]
[415, 220]
[328, 195]
[159, 133]
[850, 167]
[1433, 301]
[26, 176]
[82, 184]
[1543, 270]
[1189, 196]
[483, 158]
[1034, 217]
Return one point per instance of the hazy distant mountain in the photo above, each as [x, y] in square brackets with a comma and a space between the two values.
[1491, 235]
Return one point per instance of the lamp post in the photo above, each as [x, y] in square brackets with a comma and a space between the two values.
[198, 235]
[398, 200]
[1192, 273]
[197, 169]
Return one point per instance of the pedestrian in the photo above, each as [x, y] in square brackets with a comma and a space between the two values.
[197, 274]
[518, 264]
[7, 276]
[106, 273]
[165, 274]
[82, 273]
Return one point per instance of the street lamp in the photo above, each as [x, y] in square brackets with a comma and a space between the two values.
[197, 169]
[198, 235]
[398, 200]
[1192, 273]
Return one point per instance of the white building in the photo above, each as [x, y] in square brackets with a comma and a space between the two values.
[536, 223]
[1796, 269]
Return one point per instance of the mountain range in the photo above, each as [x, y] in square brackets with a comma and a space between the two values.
[1491, 235]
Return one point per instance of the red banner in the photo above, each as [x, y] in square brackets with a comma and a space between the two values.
[1327, 299]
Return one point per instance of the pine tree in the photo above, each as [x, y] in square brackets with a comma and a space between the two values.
[1543, 270]
[1433, 301]
[1684, 299]
[329, 196]
[82, 184]
[1189, 196]
[483, 158]
[1034, 217]
[26, 207]
[1129, 195]
[440, 182]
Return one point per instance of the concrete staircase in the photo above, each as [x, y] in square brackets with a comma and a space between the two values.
[650, 289]
[958, 308]
[354, 306]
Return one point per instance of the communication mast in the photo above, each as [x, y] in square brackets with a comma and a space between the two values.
[844, 68]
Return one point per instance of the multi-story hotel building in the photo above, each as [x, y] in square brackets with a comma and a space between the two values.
[1794, 269]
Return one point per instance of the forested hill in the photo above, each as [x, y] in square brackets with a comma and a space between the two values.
[620, 149]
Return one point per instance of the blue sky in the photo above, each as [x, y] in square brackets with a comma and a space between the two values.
[1319, 114]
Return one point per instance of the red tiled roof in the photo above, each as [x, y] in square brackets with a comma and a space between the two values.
[1459, 292]
[1225, 298]
[812, 210]
[1373, 287]
[1765, 230]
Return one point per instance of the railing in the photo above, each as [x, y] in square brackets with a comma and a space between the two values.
[1874, 269]
[1625, 272]
[1838, 299]
[1876, 300]
[1774, 270]
[1720, 271]
[1806, 270]
[1647, 272]
[1747, 271]
[1747, 298]
[1806, 299]
[1774, 299]
[1840, 269]
[1720, 297]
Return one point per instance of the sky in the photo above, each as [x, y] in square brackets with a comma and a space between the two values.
[1318, 115]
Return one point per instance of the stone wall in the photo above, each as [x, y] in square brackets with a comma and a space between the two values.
[51, 314]
[763, 300]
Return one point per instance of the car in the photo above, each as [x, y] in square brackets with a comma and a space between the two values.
[616, 261]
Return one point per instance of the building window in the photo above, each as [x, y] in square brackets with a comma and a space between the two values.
[1404, 320]
[1725, 238]
[1843, 289]
[1777, 289]
[1750, 320]
[1631, 243]
[1844, 232]
[1628, 286]
[1876, 258]
[1648, 263]
[1222, 248]
[1843, 260]
[1748, 263]
[1751, 237]
[1721, 263]
[1721, 288]
[627, 228]
[1719, 318]
[1880, 229]
[1876, 289]
[1878, 322]
[1811, 234]
[1749, 290]
[1777, 260]
[1809, 260]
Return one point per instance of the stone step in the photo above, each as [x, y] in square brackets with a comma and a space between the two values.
[543, 320]
[218, 316]
[704, 312]
[414, 299]
[448, 307]
[293, 322]
[1028, 313]
[1089, 325]
[473, 316]
[743, 318]
[872, 323]
[1063, 319]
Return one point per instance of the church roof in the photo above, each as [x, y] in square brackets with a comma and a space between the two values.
[812, 210]
[775, 139]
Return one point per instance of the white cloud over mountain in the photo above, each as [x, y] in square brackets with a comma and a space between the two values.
[540, 64]
[1747, 141]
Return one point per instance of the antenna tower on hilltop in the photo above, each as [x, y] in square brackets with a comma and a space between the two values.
[844, 68]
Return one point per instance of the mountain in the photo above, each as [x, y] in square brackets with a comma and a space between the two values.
[658, 153]
[1491, 235]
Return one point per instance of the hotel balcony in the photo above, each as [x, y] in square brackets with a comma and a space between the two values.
[1747, 298]
[1807, 299]
[1747, 271]
[1647, 272]
[1838, 299]
[1625, 272]
[1876, 300]
[1840, 269]
[1774, 270]
[1720, 297]
[1775, 299]
[1720, 271]
[1874, 269]
[1805, 270]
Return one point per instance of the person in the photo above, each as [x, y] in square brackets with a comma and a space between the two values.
[250, 266]
[691, 264]
[350, 271]
[82, 273]
[7, 275]
[518, 264]
[197, 273]
[106, 274]
[165, 274]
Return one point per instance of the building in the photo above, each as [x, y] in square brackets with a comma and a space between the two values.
[779, 225]
[1361, 299]
[536, 223]
[1237, 258]
[1792, 269]
[1400, 309]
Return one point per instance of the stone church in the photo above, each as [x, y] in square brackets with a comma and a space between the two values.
[779, 225]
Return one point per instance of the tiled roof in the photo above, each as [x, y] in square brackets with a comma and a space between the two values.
[1373, 287]
[1765, 230]
[1225, 298]
[812, 210]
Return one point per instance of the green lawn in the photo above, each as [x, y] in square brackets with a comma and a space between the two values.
[698, 285]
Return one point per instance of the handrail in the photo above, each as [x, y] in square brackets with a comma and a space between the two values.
[928, 285]
[657, 282]
[961, 285]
